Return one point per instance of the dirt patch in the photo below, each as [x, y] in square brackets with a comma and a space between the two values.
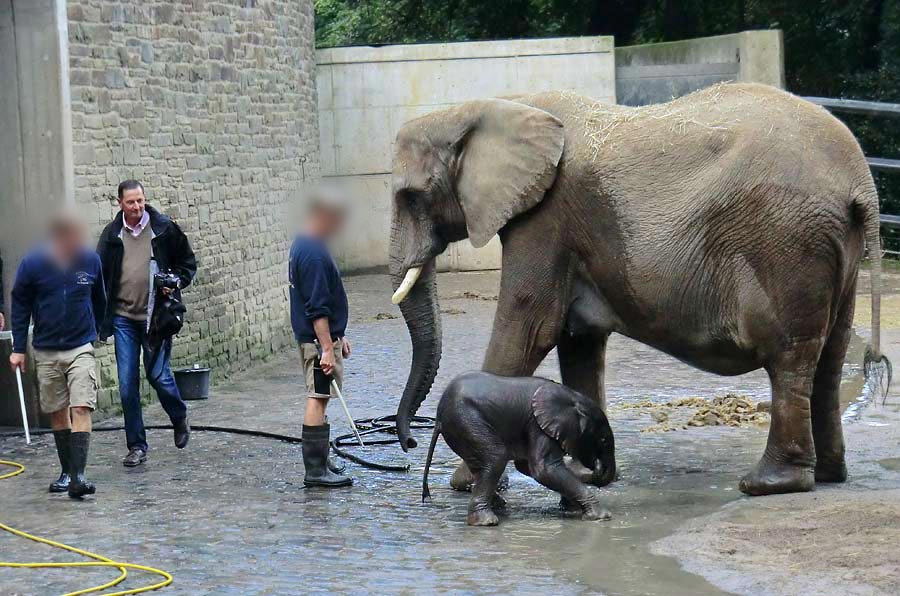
[452, 311]
[890, 463]
[681, 414]
[470, 295]
[798, 544]
[384, 316]
[890, 311]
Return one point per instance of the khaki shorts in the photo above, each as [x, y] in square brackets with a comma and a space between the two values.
[308, 355]
[67, 379]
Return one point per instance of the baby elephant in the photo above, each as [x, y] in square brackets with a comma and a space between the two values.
[488, 420]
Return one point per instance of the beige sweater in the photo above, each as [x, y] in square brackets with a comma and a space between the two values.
[134, 283]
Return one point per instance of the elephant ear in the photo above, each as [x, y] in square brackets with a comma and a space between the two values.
[561, 413]
[508, 161]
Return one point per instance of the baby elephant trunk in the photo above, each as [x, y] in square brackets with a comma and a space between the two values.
[605, 467]
[605, 471]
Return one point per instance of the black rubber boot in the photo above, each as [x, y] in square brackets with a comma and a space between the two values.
[334, 465]
[316, 445]
[61, 437]
[79, 445]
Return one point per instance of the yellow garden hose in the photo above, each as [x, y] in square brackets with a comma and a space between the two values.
[99, 561]
[366, 428]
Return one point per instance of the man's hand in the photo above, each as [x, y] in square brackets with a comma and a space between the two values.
[345, 347]
[17, 361]
[327, 361]
[167, 291]
[2, 322]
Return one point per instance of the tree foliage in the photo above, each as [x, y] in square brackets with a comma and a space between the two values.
[833, 48]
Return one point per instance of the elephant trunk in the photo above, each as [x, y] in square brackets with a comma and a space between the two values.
[421, 311]
[606, 472]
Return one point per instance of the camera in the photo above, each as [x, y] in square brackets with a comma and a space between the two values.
[166, 280]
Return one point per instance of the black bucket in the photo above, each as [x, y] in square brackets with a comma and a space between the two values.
[193, 383]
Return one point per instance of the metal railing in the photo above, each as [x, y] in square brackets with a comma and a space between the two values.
[869, 108]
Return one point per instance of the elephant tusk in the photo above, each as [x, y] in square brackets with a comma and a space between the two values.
[406, 285]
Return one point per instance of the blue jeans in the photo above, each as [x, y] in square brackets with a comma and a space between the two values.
[131, 339]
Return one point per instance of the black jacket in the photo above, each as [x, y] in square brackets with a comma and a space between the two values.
[171, 251]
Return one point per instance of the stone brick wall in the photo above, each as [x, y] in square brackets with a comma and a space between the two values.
[213, 106]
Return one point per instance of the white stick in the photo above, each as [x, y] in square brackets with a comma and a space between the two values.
[347, 412]
[22, 405]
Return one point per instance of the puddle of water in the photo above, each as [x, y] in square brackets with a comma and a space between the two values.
[661, 487]
[854, 393]
[377, 537]
[667, 478]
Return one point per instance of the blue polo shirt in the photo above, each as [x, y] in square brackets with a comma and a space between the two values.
[316, 290]
[65, 304]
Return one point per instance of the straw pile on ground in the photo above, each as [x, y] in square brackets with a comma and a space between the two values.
[689, 412]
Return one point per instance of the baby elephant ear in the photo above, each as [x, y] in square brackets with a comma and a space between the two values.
[560, 414]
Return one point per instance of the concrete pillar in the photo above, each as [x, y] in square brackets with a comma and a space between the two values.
[36, 171]
[761, 54]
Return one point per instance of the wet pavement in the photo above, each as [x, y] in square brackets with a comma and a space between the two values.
[229, 515]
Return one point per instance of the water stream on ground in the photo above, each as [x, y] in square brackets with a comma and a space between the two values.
[666, 478]
[232, 517]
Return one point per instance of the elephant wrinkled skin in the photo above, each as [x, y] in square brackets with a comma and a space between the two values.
[489, 420]
[725, 228]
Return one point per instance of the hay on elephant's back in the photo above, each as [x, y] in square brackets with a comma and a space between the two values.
[702, 110]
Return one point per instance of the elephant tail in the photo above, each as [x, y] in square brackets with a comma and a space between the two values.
[876, 365]
[426, 493]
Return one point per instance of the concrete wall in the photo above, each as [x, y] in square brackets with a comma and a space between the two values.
[366, 94]
[35, 134]
[212, 106]
[655, 73]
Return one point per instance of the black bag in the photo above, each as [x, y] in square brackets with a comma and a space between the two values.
[167, 320]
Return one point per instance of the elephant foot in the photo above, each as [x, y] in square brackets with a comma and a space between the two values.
[462, 480]
[596, 512]
[482, 517]
[831, 470]
[770, 478]
[569, 506]
[498, 502]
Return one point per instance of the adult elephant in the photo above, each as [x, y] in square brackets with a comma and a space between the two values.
[724, 228]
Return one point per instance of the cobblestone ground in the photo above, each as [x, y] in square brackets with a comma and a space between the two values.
[229, 515]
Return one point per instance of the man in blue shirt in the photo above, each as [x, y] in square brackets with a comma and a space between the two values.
[319, 313]
[59, 286]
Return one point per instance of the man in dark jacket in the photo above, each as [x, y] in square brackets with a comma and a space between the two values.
[138, 243]
[59, 286]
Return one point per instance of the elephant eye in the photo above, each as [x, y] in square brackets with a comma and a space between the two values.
[408, 196]
[414, 198]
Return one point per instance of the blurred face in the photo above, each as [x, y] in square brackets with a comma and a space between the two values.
[326, 223]
[68, 238]
[132, 204]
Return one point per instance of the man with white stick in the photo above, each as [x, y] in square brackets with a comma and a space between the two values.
[59, 286]
[319, 313]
